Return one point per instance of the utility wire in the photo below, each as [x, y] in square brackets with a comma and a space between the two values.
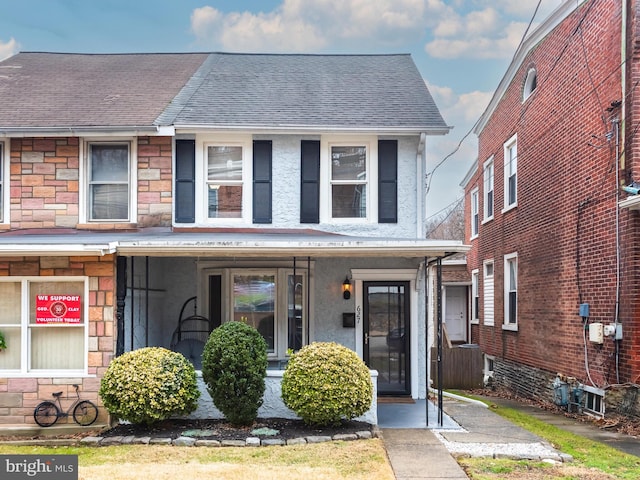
[430, 174]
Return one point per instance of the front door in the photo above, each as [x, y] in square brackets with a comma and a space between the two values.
[386, 335]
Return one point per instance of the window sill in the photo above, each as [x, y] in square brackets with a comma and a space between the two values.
[489, 324]
[509, 207]
[107, 226]
[473, 237]
[474, 322]
[486, 220]
[510, 328]
[45, 374]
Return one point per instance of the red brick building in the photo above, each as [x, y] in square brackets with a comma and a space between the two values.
[554, 239]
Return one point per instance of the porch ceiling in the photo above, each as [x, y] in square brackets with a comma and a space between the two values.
[262, 243]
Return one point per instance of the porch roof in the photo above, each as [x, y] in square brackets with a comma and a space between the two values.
[262, 243]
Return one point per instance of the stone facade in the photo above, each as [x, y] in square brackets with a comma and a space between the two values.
[19, 396]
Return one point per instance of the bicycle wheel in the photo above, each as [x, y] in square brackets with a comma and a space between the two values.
[85, 413]
[46, 414]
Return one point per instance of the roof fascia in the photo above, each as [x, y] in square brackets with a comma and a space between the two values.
[546, 27]
[473, 169]
[81, 131]
[307, 129]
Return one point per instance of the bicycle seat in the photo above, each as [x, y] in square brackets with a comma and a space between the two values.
[57, 394]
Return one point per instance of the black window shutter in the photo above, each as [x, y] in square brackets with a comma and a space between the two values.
[185, 190]
[310, 181]
[262, 181]
[387, 181]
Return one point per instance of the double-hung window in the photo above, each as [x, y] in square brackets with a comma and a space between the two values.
[475, 221]
[44, 322]
[225, 180]
[488, 189]
[487, 284]
[511, 291]
[109, 182]
[511, 173]
[349, 181]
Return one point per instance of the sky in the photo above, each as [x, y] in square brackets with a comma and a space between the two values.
[462, 48]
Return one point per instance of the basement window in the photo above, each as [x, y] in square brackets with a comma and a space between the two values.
[594, 401]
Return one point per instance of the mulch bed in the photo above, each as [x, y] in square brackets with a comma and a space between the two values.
[222, 430]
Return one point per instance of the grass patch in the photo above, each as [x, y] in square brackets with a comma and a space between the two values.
[589, 456]
[361, 460]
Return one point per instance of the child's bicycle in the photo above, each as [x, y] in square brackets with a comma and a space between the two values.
[84, 411]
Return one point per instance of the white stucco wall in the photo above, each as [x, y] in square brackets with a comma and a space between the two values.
[286, 191]
[273, 406]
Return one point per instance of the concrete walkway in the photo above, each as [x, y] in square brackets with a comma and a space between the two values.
[420, 448]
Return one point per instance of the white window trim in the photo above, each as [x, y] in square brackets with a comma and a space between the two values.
[475, 291]
[527, 89]
[474, 195]
[371, 144]
[392, 275]
[505, 323]
[83, 171]
[25, 330]
[486, 321]
[5, 213]
[507, 145]
[231, 140]
[485, 194]
[281, 270]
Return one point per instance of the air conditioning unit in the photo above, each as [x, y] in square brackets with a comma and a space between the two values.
[596, 332]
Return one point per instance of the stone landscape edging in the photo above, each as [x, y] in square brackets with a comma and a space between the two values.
[252, 441]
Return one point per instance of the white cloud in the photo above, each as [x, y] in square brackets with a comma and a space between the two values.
[8, 49]
[492, 31]
[311, 25]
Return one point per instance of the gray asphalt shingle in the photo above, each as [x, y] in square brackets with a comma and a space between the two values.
[71, 90]
[218, 90]
[343, 91]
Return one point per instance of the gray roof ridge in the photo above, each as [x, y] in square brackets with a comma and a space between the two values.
[178, 103]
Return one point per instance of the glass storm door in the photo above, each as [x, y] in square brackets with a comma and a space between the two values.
[386, 335]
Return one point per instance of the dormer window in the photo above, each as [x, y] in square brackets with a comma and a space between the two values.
[530, 83]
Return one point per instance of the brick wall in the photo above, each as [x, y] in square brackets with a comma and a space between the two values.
[563, 228]
[19, 396]
[45, 176]
[44, 182]
[154, 181]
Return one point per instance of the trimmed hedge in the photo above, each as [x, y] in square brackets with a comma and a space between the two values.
[234, 366]
[325, 383]
[149, 385]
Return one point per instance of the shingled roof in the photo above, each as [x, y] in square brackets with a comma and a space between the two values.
[77, 90]
[307, 91]
[199, 90]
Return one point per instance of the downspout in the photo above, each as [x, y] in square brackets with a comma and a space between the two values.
[421, 194]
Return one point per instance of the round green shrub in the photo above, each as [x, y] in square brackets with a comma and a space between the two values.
[234, 366]
[325, 383]
[149, 385]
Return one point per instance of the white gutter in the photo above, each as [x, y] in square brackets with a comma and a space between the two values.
[316, 129]
[83, 131]
[421, 194]
[56, 250]
[286, 249]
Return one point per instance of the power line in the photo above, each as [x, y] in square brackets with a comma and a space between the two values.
[429, 175]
